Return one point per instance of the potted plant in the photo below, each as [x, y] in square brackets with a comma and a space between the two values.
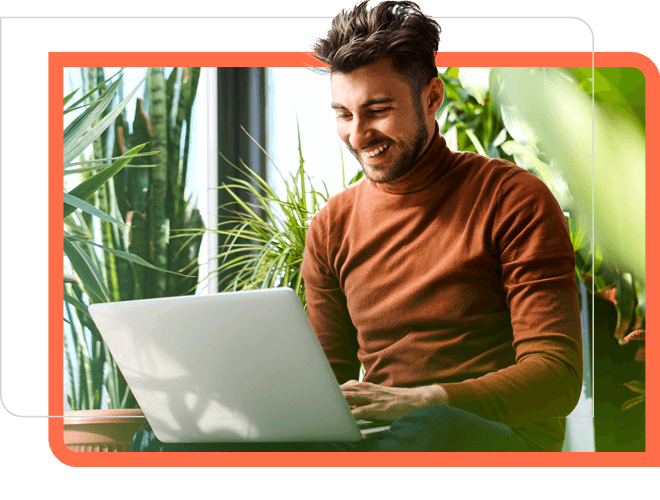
[129, 264]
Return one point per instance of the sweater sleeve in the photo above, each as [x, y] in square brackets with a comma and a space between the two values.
[538, 278]
[326, 303]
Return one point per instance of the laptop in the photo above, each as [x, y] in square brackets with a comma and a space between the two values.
[228, 367]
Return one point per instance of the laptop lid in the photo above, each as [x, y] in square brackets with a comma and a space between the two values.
[227, 367]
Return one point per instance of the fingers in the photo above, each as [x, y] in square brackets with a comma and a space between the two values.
[349, 384]
[357, 399]
[354, 385]
[358, 393]
[355, 394]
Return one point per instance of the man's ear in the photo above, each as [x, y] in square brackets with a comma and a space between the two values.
[436, 94]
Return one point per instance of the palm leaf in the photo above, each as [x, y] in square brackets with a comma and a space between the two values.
[87, 271]
[79, 135]
[86, 188]
[90, 209]
[119, 253]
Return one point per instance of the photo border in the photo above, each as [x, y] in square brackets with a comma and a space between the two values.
[57, 61]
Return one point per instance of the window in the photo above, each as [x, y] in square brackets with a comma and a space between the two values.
[299, 97]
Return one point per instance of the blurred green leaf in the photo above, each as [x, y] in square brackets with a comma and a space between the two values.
[640, 309]
[625, 304]
[451, 93]
[475, 81]
[632, 402]
[578, 233]
[621, 88]
[501, 137]
[528, 157]
[475, 141]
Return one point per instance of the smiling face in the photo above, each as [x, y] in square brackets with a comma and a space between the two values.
[379, 120]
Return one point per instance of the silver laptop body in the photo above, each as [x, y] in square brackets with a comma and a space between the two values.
[227, 367]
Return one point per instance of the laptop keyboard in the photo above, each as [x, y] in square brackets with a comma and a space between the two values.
[368, 424]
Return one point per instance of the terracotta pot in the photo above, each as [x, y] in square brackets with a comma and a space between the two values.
[101, 430]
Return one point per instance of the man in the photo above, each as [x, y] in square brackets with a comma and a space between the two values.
[448, 276]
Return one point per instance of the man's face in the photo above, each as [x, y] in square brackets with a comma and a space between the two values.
[379, 121]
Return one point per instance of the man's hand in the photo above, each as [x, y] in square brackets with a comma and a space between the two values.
[378, 402]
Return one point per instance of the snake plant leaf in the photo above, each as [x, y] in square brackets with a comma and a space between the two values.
[87, 272]
[90, 209]
[86, 188]
[84, 134]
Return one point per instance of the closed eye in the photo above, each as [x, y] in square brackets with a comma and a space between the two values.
[371, 111]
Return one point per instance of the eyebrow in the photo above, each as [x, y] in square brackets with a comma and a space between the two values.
[366, 104]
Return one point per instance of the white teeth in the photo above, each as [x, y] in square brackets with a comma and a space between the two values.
[377, 151]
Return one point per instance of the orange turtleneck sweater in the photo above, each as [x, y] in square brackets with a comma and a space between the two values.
[459, 273]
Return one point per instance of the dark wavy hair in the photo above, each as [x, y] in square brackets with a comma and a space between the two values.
[398, 30]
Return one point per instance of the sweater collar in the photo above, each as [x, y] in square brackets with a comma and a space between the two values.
[427, 169]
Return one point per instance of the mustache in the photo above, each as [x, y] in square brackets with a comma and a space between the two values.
[371, 144]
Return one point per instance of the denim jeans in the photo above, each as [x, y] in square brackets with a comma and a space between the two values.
[438, 428]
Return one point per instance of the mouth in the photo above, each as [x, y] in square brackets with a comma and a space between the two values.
[375, 152]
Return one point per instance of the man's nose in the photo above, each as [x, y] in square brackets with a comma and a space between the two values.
[360, 133]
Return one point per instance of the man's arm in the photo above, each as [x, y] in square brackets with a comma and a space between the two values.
[326, 303]
[538, 277]
[537, 263]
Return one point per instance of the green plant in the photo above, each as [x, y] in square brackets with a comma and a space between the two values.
[620, 90]
[89, 353]
[264, 239]
[469, 122]
[156, 205]
[468, 119]
[126, 217]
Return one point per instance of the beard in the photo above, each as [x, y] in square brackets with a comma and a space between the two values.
[408, 153]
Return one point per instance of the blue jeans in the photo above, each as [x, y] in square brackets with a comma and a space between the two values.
[438, 428]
